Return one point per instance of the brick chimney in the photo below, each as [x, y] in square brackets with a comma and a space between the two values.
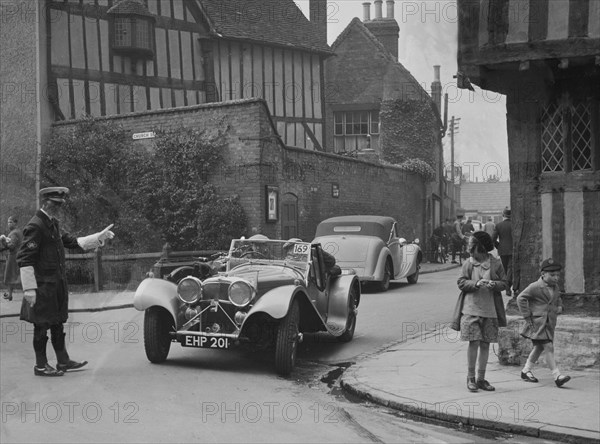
[318, 15]
[385, 29]
[366, 11]
[436, 88]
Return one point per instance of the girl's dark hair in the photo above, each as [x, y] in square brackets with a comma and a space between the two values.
[477, 247]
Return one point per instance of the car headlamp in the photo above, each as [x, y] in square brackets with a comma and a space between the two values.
[189, 289]
[240, 293]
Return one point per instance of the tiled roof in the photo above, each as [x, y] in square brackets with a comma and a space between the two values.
[130, 7]
[485, 196]
[376, 77]
[280, 22]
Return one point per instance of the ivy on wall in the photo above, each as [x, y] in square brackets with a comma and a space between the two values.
[409, 136]
[152, 196]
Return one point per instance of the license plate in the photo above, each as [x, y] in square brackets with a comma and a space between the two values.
[205, 342]
[347, 271]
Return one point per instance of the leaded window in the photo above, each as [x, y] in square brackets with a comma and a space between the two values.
[569, 136]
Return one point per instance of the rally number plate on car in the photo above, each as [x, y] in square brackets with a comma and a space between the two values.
[205, 342]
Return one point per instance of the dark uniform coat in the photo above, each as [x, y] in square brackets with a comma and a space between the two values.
[43, 248]
[539, 304]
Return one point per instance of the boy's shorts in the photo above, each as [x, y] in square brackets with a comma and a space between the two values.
[477, 328]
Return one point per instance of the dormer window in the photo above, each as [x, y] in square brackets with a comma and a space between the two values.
[133, 29]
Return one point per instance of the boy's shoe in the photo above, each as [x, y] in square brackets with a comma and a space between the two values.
[484, 385]
[562, 380]
[528, 376]
[47, 370]
[7, 297]
[471, 384]
[71, 365]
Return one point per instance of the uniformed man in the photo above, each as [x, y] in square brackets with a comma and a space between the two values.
[41, 259]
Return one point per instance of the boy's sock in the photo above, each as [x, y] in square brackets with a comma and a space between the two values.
[471, 372]
[480, 375]
[555, 373]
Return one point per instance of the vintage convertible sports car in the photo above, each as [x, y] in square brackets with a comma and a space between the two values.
[370, 247]
[271, 293]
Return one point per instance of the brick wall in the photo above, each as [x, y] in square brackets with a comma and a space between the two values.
[255, 158]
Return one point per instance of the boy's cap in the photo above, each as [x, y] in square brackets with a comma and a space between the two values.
[550, 265]
[56, 194]
[506, 212]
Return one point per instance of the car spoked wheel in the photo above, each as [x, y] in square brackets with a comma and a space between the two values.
[414, 278]
[384, 284]
[158, 323]
[351, 320]
[286, 345]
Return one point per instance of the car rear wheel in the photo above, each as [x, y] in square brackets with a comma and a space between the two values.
[384, 284]
[158, 322]
[351, 320]
[287, 341]
[414, 278]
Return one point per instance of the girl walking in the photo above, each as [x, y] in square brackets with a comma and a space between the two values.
[481, 281]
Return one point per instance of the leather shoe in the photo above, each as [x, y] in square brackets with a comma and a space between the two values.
[484, 385]
[471, 384]
[528, 376]
[47, 370]
[71, 365]
[562, 380]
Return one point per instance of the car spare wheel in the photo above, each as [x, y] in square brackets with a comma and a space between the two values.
[287, 341]
[158, 322]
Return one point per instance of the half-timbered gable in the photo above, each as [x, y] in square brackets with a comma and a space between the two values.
[114, 57]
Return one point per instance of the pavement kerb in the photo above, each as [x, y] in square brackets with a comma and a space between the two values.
[350, 384]
[417, 408]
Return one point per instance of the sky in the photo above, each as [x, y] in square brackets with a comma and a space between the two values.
[428, 37]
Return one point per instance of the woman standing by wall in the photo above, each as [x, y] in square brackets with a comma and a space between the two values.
[12, 277]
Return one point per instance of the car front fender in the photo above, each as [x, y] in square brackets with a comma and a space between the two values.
[152, 292]
[338, 298]
[411, 257]
[277, 302]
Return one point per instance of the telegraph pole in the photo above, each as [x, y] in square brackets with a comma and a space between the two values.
[454, 123]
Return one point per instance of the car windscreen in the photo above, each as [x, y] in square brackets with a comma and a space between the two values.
[294, 254]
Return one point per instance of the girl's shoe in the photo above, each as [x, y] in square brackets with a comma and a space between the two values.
[484, 385]
[471, 384]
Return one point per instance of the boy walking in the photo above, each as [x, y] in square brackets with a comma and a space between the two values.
[540, 303]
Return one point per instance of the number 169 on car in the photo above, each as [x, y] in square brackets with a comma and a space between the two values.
[205, 342]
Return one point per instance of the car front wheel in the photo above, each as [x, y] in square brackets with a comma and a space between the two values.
[287, 341]
[351, 320]
[384, 284]
[414, 278]
[158, 322]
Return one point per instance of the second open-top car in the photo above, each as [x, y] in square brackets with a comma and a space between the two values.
[272, 293]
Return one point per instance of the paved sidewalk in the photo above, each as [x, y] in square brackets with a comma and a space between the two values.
[426, 376]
